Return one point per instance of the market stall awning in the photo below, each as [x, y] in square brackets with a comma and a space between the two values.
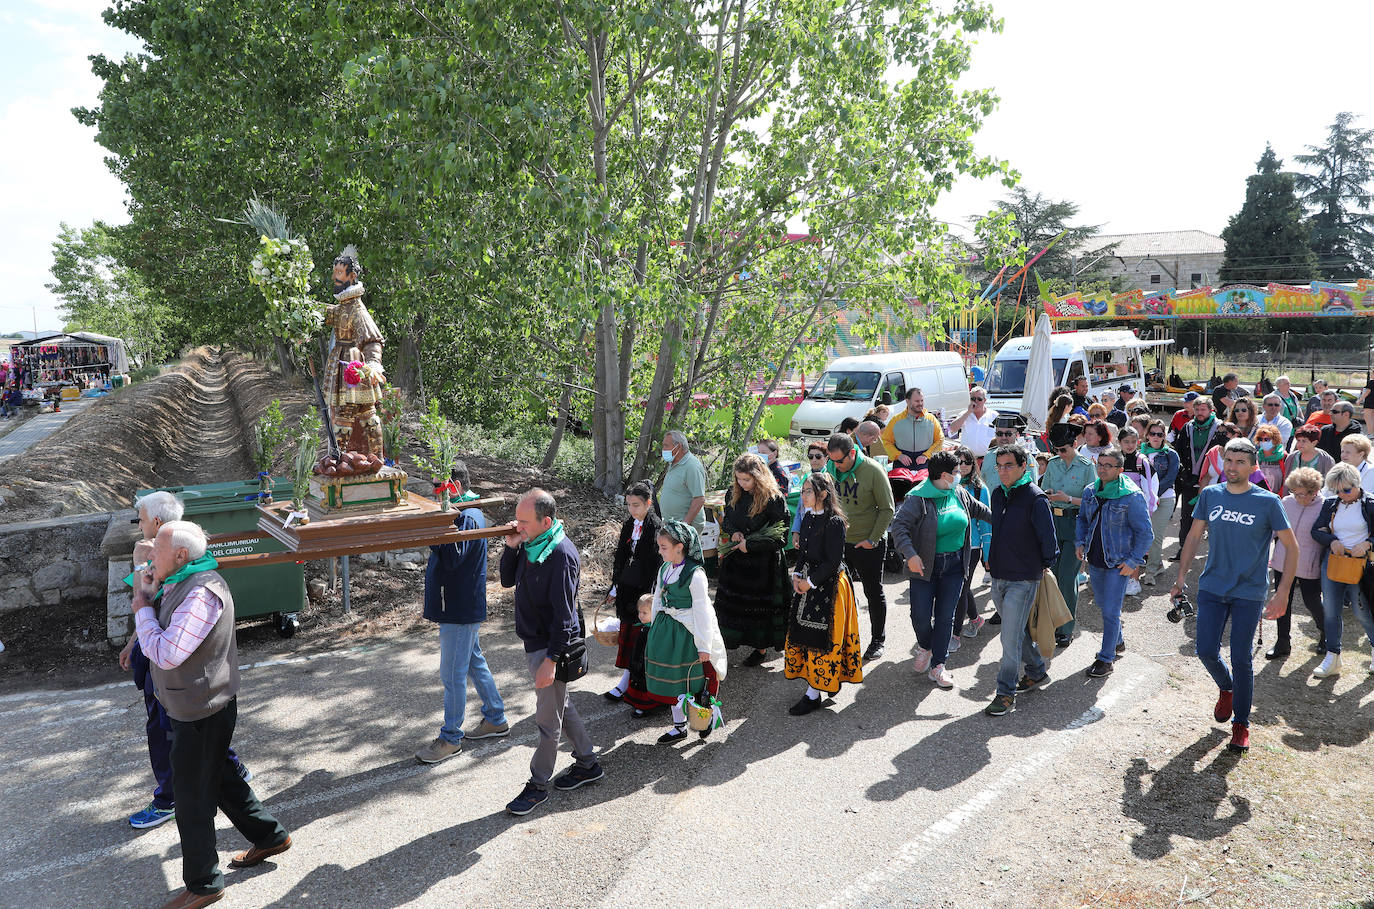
[114, 350]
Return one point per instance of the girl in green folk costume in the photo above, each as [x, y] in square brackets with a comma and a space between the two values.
[685, 652]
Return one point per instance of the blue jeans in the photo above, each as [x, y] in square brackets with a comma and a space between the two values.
[460, 659]
[1334, 595]
[933, 603]
[1212, 613]
[1013, 600]
[1109, 591]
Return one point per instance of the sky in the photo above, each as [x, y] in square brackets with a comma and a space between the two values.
[1148, 116]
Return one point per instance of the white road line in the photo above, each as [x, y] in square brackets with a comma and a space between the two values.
[129, 847]
[910, 853]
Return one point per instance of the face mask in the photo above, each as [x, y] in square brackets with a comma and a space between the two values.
[752, 449]
[1266, 446]
[668, 456]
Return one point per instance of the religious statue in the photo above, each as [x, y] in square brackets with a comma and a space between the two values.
[353, 375]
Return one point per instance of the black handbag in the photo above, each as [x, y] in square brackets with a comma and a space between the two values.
[573, 663]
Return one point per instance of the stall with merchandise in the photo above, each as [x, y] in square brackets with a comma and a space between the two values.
[77, 360]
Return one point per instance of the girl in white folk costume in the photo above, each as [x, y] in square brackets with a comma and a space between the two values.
[685, 652]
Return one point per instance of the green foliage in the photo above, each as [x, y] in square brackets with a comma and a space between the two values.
[438, 435]
[391, 409]
[281, 270]
[1338, 192]
[1267, 241]
[307, 438]
[1034, 221]
[101, 294]
[523, 443]
[592, 197]
[270, 434]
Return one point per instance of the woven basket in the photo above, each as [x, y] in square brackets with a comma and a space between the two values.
[609, 638]
[698, 717]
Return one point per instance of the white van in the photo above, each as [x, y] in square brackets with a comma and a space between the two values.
[850, 386]
[1109, 358]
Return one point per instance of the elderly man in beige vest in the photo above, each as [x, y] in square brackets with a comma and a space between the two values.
[184, 617]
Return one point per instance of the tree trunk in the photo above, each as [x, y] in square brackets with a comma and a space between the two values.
[564, 404]
[409, 366]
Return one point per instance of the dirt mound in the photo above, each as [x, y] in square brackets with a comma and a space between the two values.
[185, 426]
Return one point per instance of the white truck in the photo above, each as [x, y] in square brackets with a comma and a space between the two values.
[1109, 357]
[850, 386]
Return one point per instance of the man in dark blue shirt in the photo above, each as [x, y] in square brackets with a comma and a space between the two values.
[542, 564]
[456, 598]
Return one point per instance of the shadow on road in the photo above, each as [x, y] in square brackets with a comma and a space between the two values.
[1183, 800]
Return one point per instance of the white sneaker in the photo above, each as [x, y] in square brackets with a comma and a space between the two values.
[1132, 587]
[953, 644]
[922, 662]
[940, 677]
[1330, 667]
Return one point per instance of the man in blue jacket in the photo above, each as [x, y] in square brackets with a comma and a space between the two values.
[1023, 546]
[541, 563]
[456, 598]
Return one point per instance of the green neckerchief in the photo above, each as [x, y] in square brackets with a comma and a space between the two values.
[1206, 433]
[539, 548]
[1147, 449]
[834, 471]
[467, 496]
[1278, 455]
[204, 563]
[1025, 478]
[1121, 486]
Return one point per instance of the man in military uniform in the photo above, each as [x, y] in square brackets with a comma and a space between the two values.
[353, 405]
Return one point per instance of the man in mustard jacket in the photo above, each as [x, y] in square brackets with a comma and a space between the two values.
[914, 435]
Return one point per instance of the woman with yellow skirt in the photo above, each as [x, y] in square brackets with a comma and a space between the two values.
[823, 627]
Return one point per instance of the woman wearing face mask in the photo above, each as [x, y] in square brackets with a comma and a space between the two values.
[768, 450]
[823, 628]
[933, 530]
[633, 571]
[1269, 442]
[753, 590]
[967, 621]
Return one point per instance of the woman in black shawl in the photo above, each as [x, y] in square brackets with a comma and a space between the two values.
[823, 630]
[752, 591]
[633, 570]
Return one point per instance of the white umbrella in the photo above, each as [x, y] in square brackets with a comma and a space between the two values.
[1035, 402]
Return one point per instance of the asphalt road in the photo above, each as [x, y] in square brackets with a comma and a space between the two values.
[883, 798]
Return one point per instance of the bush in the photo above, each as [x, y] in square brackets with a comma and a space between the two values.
[525, 443]
[143, 373]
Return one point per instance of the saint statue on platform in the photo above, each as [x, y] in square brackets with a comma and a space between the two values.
[353, 375]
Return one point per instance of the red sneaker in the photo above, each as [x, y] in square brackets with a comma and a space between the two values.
[1223, 709]
[1240, 738]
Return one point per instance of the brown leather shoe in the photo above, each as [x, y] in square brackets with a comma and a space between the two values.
[255, 856]
[188, 900]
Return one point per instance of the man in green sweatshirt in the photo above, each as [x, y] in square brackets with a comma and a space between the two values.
[866, 497]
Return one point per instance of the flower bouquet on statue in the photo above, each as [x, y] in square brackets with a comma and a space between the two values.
[356, 373]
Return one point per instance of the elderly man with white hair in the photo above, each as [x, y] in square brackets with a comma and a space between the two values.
[184, 618]
[154, 510]
[682, 497]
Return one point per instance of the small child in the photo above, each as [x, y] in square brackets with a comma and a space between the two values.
[637, 692]
[685, 650]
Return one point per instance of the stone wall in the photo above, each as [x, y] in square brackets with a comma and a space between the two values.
[55, 562]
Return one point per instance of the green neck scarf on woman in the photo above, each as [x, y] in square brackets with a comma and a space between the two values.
[1121, 486]
[204, 563]
[539, 548]
[1147, 449]
[467, 496]
[1275, 455]
[1021, 481]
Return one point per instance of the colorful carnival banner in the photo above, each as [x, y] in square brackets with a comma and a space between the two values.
[1230, 302]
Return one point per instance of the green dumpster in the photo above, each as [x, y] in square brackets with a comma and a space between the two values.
[219, 508]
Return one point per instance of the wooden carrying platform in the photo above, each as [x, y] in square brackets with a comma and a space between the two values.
[417, 522]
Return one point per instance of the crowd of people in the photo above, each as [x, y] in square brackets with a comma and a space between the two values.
[1275, 483]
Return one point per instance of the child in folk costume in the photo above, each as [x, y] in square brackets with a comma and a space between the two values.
[633, 571]
[637, 693]
[823, 628]
[685, 652]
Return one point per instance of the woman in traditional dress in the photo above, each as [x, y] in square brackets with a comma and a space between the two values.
[823, 628]
[685, 652]
[752, 591]
[633, 571]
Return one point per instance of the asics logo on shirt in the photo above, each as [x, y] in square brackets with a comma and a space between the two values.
[1233, 517]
